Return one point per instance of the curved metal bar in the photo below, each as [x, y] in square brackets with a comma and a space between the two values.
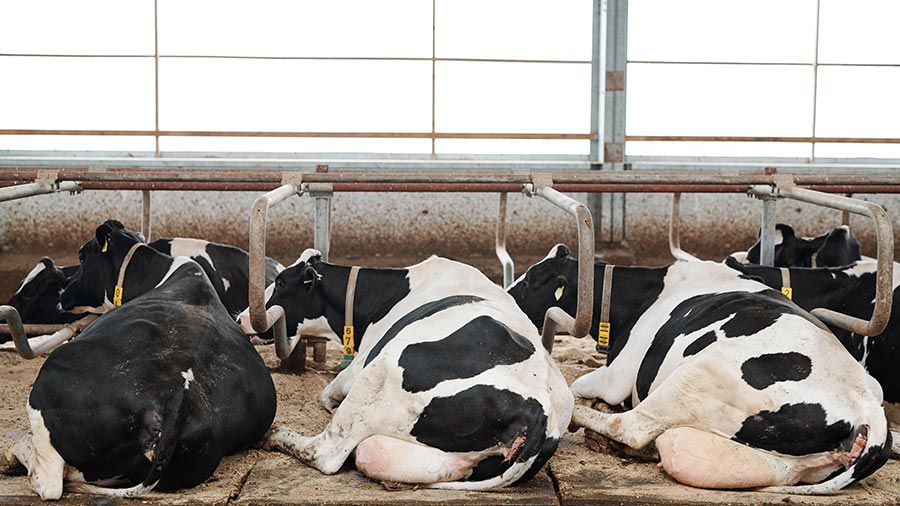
[259, 317]
[675, 232]
[37, 188]
[581, 324]
[506, 261]
[37, 346]
[884, 234]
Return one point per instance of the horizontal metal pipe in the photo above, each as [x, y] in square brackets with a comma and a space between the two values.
[36, 188]
[340, 135]
[725, 138]
[449, 175]
[458, 187]
[446, 175]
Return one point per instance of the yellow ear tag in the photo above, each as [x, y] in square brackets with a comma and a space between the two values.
[117, 296]
[559, 293]
[105, 246]
[788, 291]
[348, 346]
[603, 336]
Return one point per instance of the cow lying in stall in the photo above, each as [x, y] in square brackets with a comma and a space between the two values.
[834, 248]
[227, 267]
[37, 296]
[849, 290]
[450, 386]
[151, 395]
[739, 387]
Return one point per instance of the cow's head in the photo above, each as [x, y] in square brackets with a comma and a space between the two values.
[551, 282]
[37, 297]
[91, 288]
[300, 290]
[790, 250]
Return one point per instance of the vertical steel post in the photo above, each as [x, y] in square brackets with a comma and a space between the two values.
[767, 232]
[609, 208]
[145, 215]
[506, 261]
[322, 192]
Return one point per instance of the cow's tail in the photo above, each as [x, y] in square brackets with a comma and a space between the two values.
[160, 450]
[875, 453]
[508, 477]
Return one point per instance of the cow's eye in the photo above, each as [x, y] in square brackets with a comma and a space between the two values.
[279, 283]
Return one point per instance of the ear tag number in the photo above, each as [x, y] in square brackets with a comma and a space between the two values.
[787, 291]
[559, 293]
[117, 296]
[603, 336]
[348, 346]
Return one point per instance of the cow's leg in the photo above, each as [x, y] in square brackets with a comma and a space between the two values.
[679, 400]
[360, 415]
[335, 392]
[47, 465]
[605, 383]
[22, 452]
[387, 458]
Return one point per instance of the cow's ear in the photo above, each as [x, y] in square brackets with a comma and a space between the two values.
[311, 277]
[816, 243]
[562, 251]
[104, 232]
[562, 287]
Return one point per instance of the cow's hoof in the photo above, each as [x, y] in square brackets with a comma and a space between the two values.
[602, 444]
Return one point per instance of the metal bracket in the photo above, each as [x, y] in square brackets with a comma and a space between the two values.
[294, 177]
[47, 176]
[884, 234]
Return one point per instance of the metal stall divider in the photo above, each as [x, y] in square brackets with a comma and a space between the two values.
[261, 319]
[506, 261]
[783, 186]
[884, 234]
[556, 319]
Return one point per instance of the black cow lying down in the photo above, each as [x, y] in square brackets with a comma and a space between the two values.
[850, 290]
[450, 386]
[227, 267]
[834, 248]
[37, 296]
[739, 387]
[151, 395]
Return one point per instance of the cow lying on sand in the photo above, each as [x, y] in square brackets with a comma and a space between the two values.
[37, 296]
[739, 387]
[151, 395]
[450, 386]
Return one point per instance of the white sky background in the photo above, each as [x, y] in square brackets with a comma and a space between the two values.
[395, 95]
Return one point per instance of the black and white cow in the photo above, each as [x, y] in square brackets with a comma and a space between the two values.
[37, 297]
[226, 266]
[450, 386]
[849, 290]
[738, 387]
[151, 395]
[834, 248]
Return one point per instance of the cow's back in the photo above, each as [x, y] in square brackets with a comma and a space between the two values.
[127, 370]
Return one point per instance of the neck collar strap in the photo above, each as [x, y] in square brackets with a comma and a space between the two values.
[786, 282]
[604, 329]
[348, 337]
[119, 290]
